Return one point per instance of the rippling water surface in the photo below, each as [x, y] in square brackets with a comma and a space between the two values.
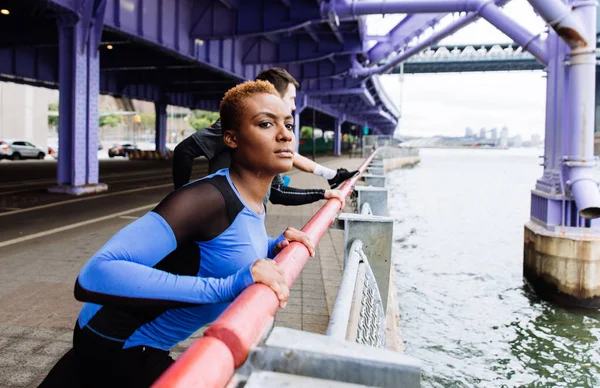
[458, 253]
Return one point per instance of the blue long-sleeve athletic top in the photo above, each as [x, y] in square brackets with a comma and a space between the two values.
[175, 269]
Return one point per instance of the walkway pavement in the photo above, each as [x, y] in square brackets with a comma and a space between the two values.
[36, 286]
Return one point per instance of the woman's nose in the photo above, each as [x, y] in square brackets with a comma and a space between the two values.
[284, 134]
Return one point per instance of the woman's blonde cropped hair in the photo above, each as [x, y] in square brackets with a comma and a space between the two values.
[233, 104]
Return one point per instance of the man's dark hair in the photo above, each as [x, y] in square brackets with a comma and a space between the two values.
[279, 77]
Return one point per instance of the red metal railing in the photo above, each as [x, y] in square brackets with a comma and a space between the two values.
[211, 360]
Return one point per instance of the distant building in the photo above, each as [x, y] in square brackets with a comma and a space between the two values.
[482, 133]
[536, 140]
[504, 137]
[515, 141]
[494, 132]
[468, 132]
[24, 113]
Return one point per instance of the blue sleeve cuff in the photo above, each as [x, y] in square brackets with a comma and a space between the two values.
[273, 243]
[243, 280]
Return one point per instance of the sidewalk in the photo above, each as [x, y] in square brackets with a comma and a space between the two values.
[36, 285]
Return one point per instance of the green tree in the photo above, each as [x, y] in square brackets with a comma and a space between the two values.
[110, 120]
[148, 120]
[53, 120]
[200, 119]
[306, 132]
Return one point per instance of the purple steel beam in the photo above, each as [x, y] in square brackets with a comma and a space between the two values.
[39, 64]
[577, 27]
[230, 3]
[515, 31]
[401, 34]
[435, 37]
[349, 10]
[160, 136]
[252, 19]
[296, 49]
[335, 92]
[311, 32]
[337, 135]
[301, 104]
[483, 8]
[168, 24]
[79, 74]
[565, 22]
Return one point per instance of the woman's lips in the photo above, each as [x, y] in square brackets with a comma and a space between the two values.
[285, 153]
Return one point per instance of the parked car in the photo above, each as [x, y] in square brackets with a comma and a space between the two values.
[20, 149]
[122, 149]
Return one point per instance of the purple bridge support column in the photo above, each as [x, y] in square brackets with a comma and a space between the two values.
[337, 135]
[301, 104]
[79, 75]
[562, 238]
[160, 139]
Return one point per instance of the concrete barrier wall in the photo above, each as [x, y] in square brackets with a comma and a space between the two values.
[401, 162]
[150, 155]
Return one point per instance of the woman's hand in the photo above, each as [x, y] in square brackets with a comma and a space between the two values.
[292, 234]
[336, 194]
[268, 273]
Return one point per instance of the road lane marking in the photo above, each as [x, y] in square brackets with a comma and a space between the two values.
[166, 175]
[73, 226]
[50, 181]
[85, 199]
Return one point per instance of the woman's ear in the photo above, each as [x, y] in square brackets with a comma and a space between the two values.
[230, 139]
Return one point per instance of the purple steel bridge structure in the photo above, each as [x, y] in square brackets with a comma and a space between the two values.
[189, 52]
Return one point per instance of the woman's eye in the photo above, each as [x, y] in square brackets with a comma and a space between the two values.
[265, 124]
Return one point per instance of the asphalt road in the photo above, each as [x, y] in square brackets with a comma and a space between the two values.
[26, 207]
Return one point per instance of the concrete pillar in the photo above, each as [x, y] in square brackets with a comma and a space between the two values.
[562, 243]
[160, 107]
[79, 75]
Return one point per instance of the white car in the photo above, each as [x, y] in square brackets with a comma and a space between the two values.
[20, 149]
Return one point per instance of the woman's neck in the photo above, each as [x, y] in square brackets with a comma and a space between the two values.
[251, 185]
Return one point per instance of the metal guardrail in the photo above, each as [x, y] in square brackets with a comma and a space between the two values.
[366, 208]
[358, 313]
[340, 315]
[358, 317]
[371, 326]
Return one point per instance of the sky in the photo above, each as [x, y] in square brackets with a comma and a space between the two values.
[445, 104]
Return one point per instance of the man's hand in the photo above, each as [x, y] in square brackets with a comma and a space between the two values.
[268, 273]
[336, 194]
[292, 234]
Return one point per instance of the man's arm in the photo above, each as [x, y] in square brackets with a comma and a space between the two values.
[303, 163]
[307, 165]
[183, 160]
[291, 196]
[207, 142]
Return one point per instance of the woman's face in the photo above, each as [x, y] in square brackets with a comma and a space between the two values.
[265, 140]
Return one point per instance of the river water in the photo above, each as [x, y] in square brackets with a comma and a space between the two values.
[466, 312]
